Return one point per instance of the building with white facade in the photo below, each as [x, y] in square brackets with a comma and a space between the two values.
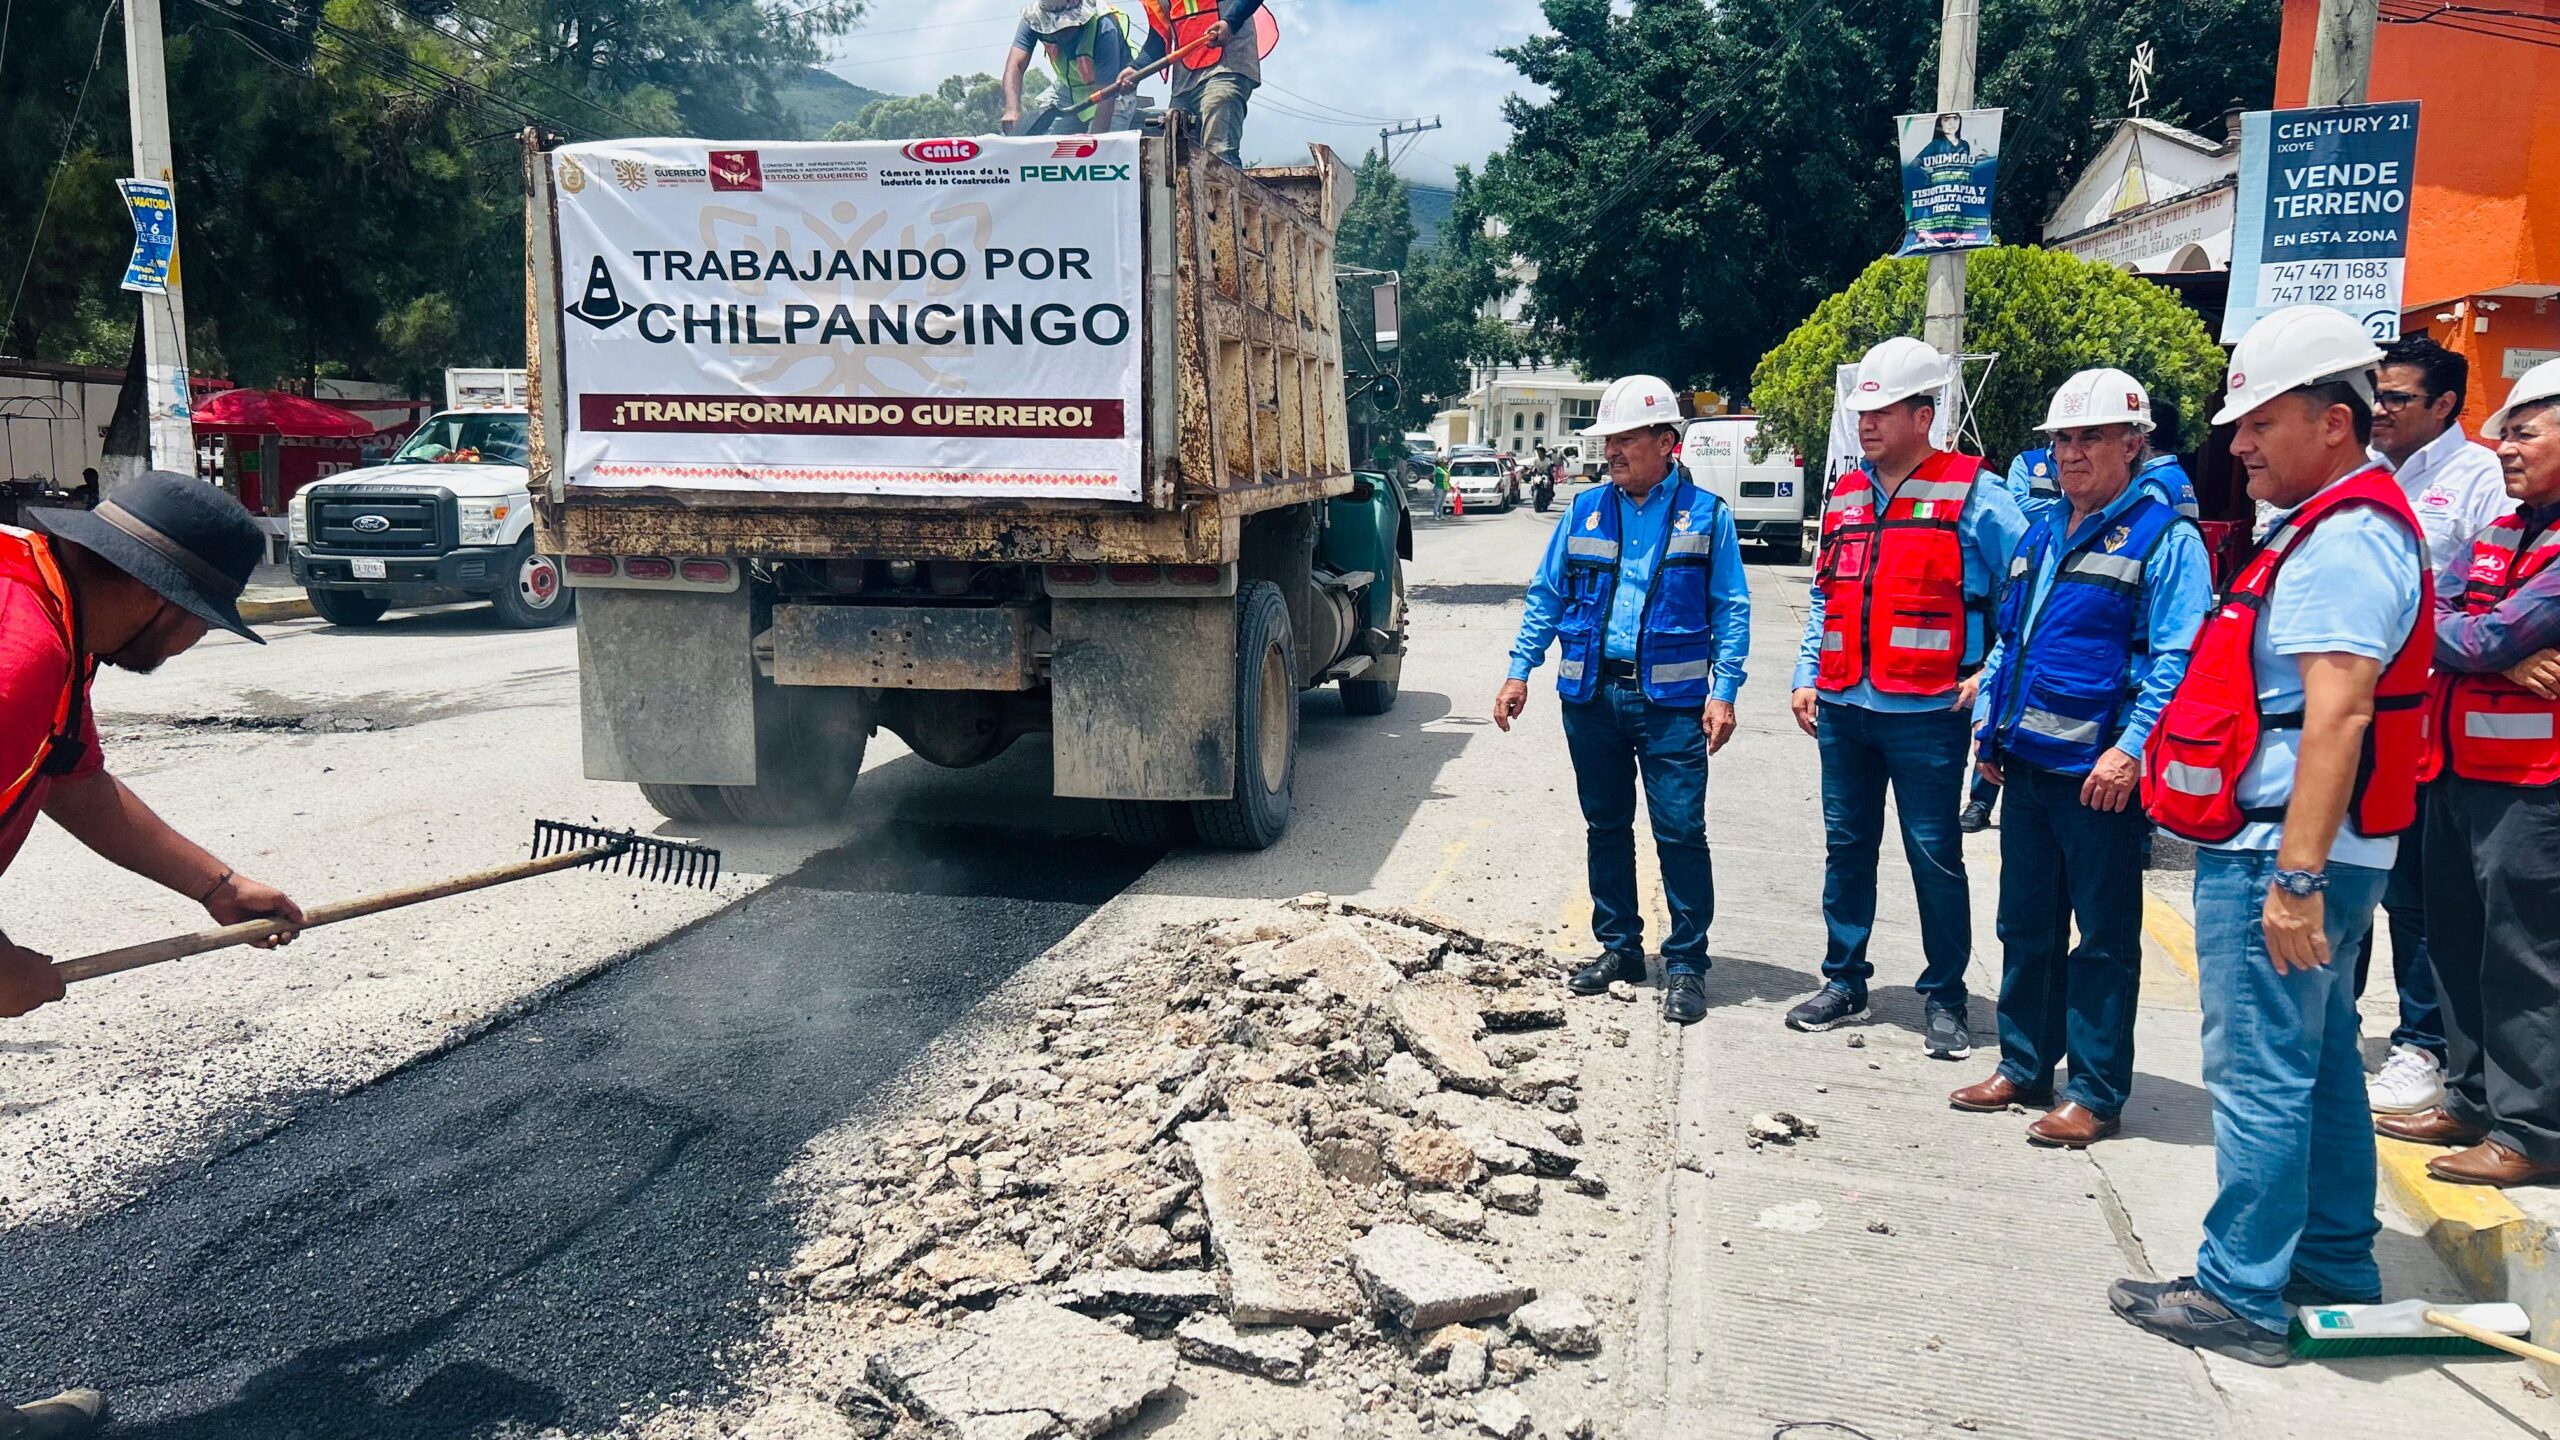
[2158, 200]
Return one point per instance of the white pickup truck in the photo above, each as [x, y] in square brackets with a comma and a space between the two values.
[447, 519]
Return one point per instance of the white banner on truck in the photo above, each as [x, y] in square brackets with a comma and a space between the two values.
[950, 317]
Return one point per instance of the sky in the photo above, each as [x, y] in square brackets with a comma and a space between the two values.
[1342, 66]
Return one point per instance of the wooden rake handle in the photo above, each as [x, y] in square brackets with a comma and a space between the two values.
[248, 932]
[2491, 1338]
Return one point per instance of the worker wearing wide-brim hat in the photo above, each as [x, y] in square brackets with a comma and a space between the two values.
[1642, 591]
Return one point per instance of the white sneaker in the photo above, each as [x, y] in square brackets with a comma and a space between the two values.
[2411, 1080]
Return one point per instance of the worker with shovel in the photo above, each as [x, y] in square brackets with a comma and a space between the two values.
[137, 580]
[1218, 47]
[1088, 45]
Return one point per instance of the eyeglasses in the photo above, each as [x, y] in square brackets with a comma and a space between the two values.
[2396, 400]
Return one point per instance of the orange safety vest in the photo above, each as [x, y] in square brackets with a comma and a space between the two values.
[1893, 605]
[1183, 21]
[2208, 737]
[27, 559]
[2493, 729]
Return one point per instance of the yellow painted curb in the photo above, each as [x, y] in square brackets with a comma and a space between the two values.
[268, 612]
[2475, 1228]
[2170, 931]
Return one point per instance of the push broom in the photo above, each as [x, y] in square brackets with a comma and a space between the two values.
[2414, 1327]
[557, 846]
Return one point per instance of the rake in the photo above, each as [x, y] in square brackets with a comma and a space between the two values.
[557, 845]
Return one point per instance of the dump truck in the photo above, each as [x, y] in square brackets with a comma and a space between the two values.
[968, 439]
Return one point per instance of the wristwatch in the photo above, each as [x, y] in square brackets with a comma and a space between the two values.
[2301, 884]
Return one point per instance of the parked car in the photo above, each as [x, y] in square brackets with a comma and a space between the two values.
[1767, 493]
[1484, 480]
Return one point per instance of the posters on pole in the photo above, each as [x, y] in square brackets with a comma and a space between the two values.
[949, 317]
[2324, 214]
[1950, 167]
[154, 208]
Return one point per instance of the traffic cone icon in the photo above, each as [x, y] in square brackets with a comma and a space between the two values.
[602, 306]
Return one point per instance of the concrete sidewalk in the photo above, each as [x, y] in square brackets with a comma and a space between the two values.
[1915, 1271]
[272, 596]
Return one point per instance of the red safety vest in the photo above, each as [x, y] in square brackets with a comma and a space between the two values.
[2208, 737]
[2492, 728]
[1183, 21]
[27, 559]
[1893, 606]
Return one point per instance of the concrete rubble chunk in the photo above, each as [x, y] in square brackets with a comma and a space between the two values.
[1467, 1366]
[1148, 1247]
[1559, 1324]
[1502, 1416]
[1522, 1129]
[1354, 1162]
[1422, 1283]
[1275, 1352]
[1273, 1224]
[1431, 1159]
[1436, 1019]
[1192, 1099]
[1434, 1354]
[1401, 1083]
[1023, 1370]
[1147, 1294]
[1458, 1216]
[1518, 1194]
[1344, 960]
[1517, 1010]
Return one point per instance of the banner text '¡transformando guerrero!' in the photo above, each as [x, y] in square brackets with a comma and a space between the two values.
[880, 325]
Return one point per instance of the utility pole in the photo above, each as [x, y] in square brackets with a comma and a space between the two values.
[2342, 51]
[1388, 134]
[169, 411]
[1958, 23]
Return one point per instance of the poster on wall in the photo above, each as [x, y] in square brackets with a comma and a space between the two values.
[1950, 168]
[948, 317]
[2324, 214]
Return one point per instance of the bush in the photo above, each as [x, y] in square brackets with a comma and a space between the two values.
[2046, 315]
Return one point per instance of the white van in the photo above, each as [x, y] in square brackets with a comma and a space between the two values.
[1767, 496]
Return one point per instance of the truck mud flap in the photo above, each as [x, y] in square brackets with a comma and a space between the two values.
[1143, 698]
[667, 686]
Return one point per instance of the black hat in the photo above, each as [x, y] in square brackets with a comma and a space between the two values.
[182, 537]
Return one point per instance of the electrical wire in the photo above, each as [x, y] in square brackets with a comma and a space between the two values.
[1314, 104]
[537, 77]
[70, 131]
[411, 76]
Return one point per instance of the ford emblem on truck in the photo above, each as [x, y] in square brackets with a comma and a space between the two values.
[943, 152]
[371, 524]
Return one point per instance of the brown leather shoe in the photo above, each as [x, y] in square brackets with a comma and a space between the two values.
[1997, 1094]
[2490, 1163]
[2071, 1126]
[2429, 1127]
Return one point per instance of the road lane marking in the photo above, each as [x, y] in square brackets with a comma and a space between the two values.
[1450, 854]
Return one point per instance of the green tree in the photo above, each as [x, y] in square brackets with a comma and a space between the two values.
[2045, 314]
[961, 105]
[1452, 324]
[1377, 231]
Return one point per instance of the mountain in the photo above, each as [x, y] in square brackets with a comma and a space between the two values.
[820, 98]
[1430, 213]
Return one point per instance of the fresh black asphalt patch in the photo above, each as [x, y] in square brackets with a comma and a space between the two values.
[554, 1224]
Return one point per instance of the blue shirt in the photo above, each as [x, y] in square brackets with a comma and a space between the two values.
[2351, 586]
[1645, 528]
[2177, 592]
[1989, 531]
[2020, 482]
[2164, 477]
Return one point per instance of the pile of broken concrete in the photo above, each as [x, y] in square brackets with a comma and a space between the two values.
[1272, 1155]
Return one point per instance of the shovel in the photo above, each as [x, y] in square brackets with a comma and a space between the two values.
[557, 846]
[1059, 109]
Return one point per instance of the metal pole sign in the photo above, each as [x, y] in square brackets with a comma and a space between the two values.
[154, 207]
[2324, 214]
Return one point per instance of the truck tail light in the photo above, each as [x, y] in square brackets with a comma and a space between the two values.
[591, 565]
[1073, 574]
[1136, 574]
[649, 569]
[707, 572]
[1192, 574]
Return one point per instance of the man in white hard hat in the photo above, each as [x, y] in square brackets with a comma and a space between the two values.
[1915, 543]
[2458, 490]
[1642, 590]
[2290, 756]
[2493, 821]
[2102, 603]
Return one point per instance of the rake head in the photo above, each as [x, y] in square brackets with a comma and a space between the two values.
[674, 862]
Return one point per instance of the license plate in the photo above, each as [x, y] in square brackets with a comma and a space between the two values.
[369, 569]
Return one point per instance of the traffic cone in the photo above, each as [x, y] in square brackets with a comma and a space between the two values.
[1457, 503]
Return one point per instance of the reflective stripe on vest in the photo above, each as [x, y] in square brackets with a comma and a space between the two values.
[2209, 735]
[1076, 71]
[1892, 579]
[2493, 730]
[1183, 21]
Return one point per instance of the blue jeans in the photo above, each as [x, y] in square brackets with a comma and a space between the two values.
[1610, 737]
[1922, 756]
[2292, 1140]
[2404, 901]
[2060, 859]
[1219, 104]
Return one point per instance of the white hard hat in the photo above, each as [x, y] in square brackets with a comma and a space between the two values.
[2099, 397]
[2298, 346]
[1898, 369]
[1638, 402]
[2540, 383]
[1048, 17]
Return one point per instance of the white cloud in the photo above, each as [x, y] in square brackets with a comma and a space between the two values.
[1342, 65]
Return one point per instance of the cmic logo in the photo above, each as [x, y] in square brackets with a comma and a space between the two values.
[943, 152]
[602, 306]
[736, 170]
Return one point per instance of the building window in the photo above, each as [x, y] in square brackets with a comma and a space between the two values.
[1542, 420]
[1581, 414]
[1519, 422]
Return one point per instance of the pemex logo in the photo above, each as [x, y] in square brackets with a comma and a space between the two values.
[736, 170]
[943, 152]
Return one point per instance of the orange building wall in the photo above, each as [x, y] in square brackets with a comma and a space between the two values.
[2486, 213]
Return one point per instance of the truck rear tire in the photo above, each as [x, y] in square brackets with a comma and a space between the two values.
[347, 609]
[809, 744]
[533, 595]
[1149, 824]
[1266, 727]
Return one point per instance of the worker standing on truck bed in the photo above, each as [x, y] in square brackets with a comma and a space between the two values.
[1642, 584]
[132, 583]
[1214, 84]
[1088, 45]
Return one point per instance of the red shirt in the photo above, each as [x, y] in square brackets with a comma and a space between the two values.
[33, 660]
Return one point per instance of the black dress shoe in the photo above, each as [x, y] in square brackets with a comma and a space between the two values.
[1974, 818]
[1685, 1001]
[1595, 978]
